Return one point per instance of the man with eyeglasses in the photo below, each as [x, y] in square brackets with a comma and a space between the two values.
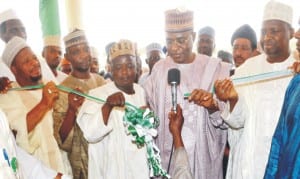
[203, 131]
[243, 43]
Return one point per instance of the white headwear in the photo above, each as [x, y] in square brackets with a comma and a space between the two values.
[7, 15]
[94, 52]
[12, 48]
[278, 11]
[152, 47]
[54, 40]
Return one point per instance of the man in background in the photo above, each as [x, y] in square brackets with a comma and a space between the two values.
[244, 44]
[206, 41]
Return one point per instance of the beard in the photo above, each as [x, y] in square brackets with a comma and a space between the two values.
[83, 69]
[36, 78]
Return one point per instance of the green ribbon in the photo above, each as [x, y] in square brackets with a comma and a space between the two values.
[140, 123]
[68, 90]
[255, 78]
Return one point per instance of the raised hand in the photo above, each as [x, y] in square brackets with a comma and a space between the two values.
[225, 90]
[175, 126]
[295, 67]
[5, 84]
[50, 94]
[75, 101]
[203, 98]
[116, 100]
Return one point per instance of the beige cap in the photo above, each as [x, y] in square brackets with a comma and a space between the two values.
[278, 11]
[179, 20]
[123, 47]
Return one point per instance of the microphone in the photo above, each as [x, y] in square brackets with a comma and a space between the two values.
[174, 80]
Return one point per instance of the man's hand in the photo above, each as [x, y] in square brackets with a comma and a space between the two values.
[175, 126]
[5, 84]
[114, 100]
[225, 90]
[203, 98]
[58, 176]
[50, 94]
[295, 67]
[75, 101]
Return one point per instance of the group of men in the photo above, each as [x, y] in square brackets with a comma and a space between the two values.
[61, 134]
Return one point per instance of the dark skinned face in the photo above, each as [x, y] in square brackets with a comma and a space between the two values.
[124, 72]
[180, 46]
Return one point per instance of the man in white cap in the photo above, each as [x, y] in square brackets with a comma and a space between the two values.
[284, 158]
[154, 54]
[29, 111]
[10, 26]
[255, 110]
[206, 41]
[66, 131]
[203, 133]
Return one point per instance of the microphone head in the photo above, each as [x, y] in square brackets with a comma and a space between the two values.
[174, 76]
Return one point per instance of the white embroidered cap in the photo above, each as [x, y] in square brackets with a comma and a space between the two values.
[12, 48]
[7, 15]
[278, 11]
[152, 47]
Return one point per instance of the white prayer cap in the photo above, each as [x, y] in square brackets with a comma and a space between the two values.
[278, 11]
[53, 40]
[94, 52]
[7, 15]
[152, 47]
[12, 48]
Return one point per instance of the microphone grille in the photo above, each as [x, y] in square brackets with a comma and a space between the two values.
[174, 76]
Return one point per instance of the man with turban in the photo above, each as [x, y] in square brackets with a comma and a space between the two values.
[244, 44]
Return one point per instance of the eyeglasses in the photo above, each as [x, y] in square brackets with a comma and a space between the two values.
[179, 41]
[154, 58]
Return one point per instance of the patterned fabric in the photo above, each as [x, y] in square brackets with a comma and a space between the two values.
[75, 144]
[202, 132]
[284, 158]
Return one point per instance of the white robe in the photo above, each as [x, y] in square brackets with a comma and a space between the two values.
[111, 151]
[40, 142]
[254, 118]
[28, 166]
